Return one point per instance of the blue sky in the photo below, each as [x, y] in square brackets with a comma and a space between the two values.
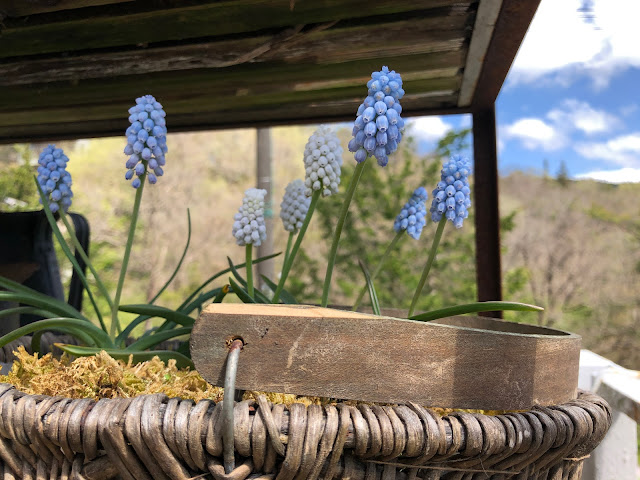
[571, 94]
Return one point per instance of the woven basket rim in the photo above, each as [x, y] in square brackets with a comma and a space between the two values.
[154, 436]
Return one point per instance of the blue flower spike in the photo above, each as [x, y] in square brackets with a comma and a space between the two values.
[54, 178]
[294, 206]
[452, 195]
[377, 130]
[412, 217]
[322, 162]
[146, 140]
[248, 226]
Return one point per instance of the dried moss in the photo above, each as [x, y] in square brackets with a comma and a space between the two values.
[101, 376]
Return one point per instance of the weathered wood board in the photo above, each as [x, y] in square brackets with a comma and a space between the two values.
[462, 362]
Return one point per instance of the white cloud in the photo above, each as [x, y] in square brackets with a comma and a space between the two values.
[561, 47]
[623, 150]
[554, 132]
[534, 133]
[581, 116]
[431, 128]
[622, 175]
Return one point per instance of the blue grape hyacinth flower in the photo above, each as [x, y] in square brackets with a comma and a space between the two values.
[146, 141]
[294, 206]
[452, 195]
[412, 217]
[54, 178]
[378, 128]
[248, 226]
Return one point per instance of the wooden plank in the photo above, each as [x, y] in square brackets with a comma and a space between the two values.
[332, 353]
[488, 11]
[207, 103]
[487, 212]
[298, 114]
[242, 80]
[510, 28]
[201, 20]
[18, 8]
[336, 45]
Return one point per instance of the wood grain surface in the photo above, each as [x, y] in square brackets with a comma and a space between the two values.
[462, 362]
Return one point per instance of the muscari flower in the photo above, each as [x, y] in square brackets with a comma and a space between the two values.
[378, 126]
[248, 226]
[54, 178]
[146, 140]
[412, 216]
[451, 196]
[294, 206]
[323, 162]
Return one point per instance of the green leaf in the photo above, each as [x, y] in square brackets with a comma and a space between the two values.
[82, 336]
[67, 252]
[78, 328]
[372, 289]
[181, 360]
[52, 304]
[258, 297]
[184, 253]
[44, 302]
[240, 292]
[203, 297]
[221, 294]
[284, 295]
[156, 311]
[122, 336]
[235, 273]
[475, 308]
[156, 338]
[28, 310]
[223, 272]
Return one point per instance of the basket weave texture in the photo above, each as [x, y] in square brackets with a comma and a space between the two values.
[155, 437]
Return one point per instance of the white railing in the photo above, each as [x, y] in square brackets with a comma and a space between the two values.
[617, 456]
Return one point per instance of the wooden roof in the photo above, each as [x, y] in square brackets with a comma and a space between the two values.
[72, 68]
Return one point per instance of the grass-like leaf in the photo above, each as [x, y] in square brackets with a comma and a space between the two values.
[222, 293]
[68, 253]
[284, 295]
[475, 308]
[184, 253]
[39, 299]
[223, 272]
[156, 338]
[258, 296]
[81, 329]
[240, 292]
[181, 360]
[375, 304]
[156, 311]
[43, 302]
[27, 310]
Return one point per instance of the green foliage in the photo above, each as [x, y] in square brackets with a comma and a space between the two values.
[17, 191]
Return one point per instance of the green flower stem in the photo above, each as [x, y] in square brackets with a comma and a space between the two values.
[115, 323]
[85, 258]
[296, 246]
[357, 173]
[288, 250]
[381, 263]
[249, 251]
[427, 267]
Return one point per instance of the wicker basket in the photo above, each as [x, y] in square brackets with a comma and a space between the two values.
[154, 437]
